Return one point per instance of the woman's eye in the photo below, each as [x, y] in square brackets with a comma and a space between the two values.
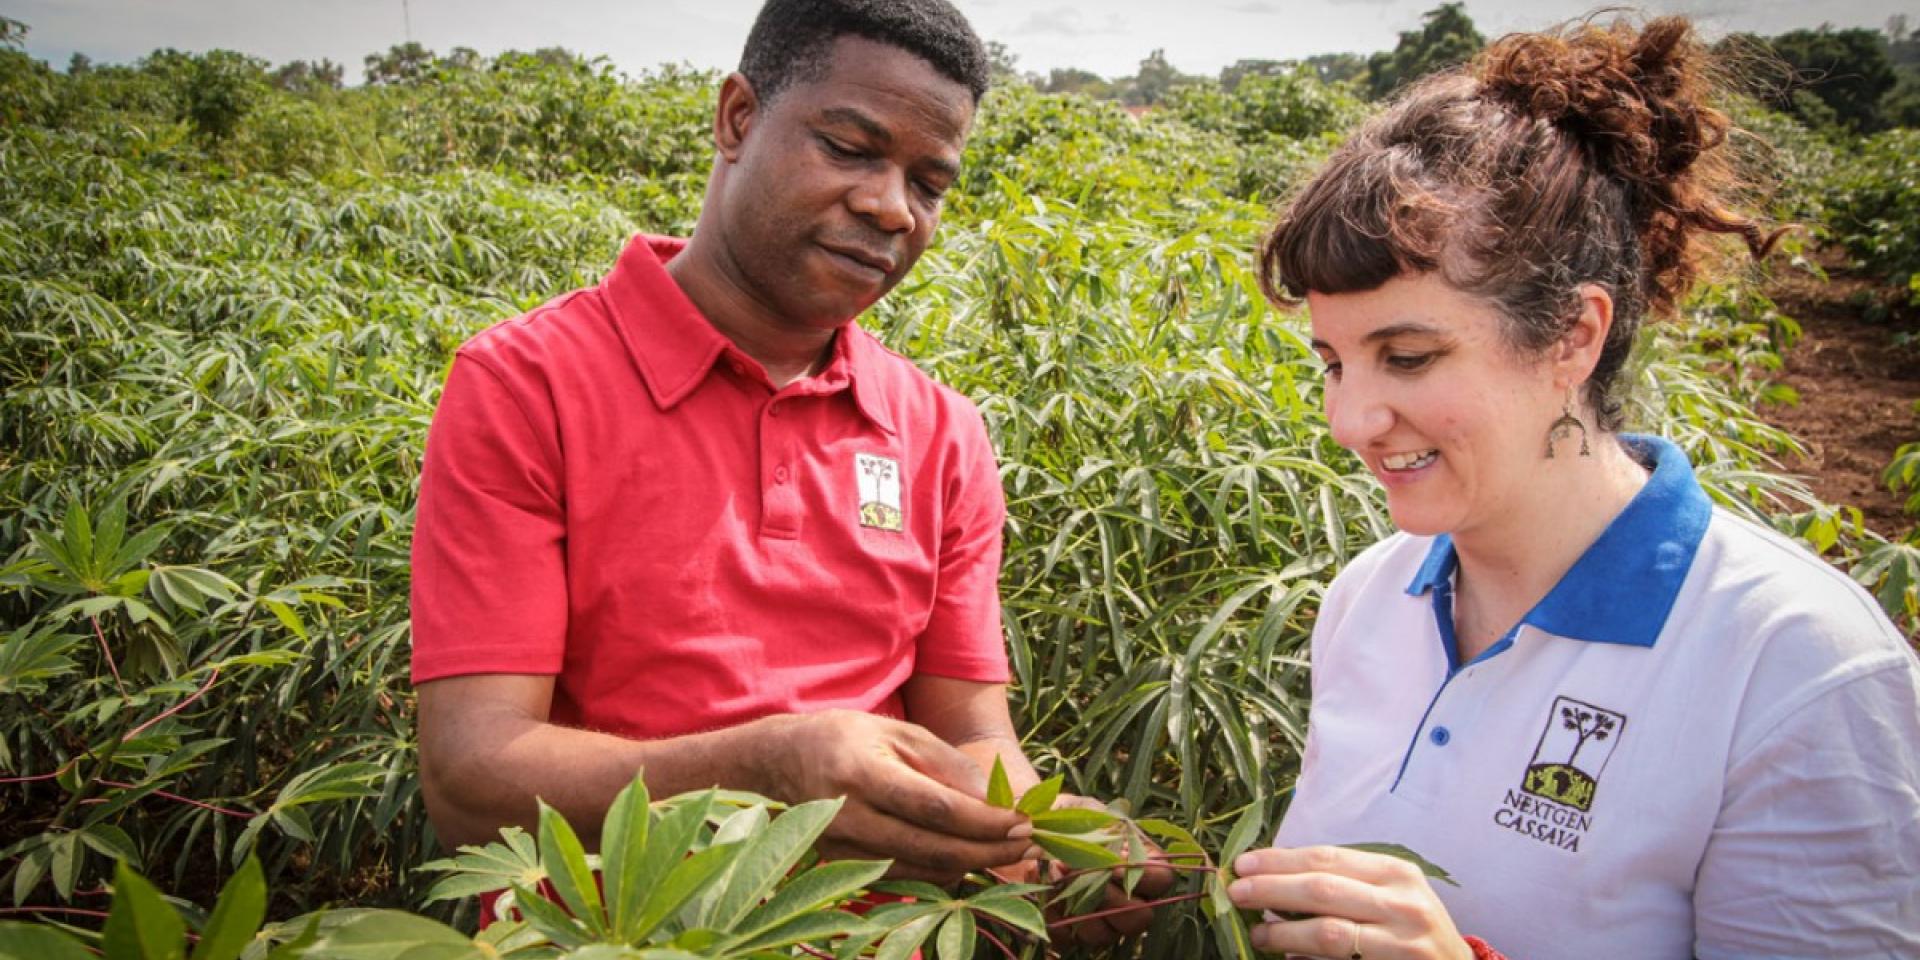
[1409, 361]
[1331, 369]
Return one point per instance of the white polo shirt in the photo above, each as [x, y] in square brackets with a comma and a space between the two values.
[1703, 742]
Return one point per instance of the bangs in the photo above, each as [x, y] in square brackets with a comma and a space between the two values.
[1366, 218]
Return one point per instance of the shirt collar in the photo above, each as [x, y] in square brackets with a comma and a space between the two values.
[1625, 584]
[675, 346]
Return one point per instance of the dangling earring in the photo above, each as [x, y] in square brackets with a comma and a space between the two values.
[1565, 425]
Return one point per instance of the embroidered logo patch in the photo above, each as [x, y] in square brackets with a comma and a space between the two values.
[879, 479]
[1554, 804]
[1585, 736]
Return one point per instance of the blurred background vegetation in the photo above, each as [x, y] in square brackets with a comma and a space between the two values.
[229, 291]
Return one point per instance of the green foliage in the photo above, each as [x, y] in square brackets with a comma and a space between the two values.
[1446, 37]
[1874, 204]
[1843, 73]
[219, 355]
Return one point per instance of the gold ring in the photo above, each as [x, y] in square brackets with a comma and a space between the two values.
[1356, 941]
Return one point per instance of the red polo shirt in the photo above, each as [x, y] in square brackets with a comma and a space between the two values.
[616, 495]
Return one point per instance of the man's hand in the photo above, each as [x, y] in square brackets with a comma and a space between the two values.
[911, 797]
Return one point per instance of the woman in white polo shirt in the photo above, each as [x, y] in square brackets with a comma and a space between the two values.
[1628, 723]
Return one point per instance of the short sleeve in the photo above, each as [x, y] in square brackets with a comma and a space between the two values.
[489, 591]
[962, 639]
[1816, 852]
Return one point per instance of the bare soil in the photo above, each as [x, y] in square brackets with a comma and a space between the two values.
[1857, 370]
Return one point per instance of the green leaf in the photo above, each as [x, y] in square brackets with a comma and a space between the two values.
[547, 917]
[1039, 798]
[1170, 832]
[767, 858]
[1073, 820]
[805, 928]
[65, 851]
[999, 791]
[236, 915]
[956, 938]
[903, 941]
[1014, 910]
[31, 941]
[1075, 852]
[110, 841]
[1245, 832]
[684, 882]
[28, 660]
[1427, 867]
[484, 869]
[141, 925]
[828, 883]
[566, 862]
[30, 871]
[392, 934]
[623, 847]
[670, 837]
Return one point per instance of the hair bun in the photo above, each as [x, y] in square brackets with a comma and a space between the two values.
[1639, 97]
[1640, 100]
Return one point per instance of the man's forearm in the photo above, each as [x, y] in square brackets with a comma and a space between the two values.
[488, 774]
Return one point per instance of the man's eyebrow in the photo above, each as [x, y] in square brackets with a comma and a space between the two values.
[867, 125]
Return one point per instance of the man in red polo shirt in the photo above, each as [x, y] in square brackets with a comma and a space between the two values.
[697, 522]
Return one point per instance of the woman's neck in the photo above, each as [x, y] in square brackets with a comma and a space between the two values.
[1507, 569]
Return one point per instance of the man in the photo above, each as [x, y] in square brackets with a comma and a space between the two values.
[694, 521]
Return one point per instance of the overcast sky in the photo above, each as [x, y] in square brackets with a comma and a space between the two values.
[1109, 38]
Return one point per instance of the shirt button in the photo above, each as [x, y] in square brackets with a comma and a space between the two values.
[739, 369]
[780, 474]
[1440, 736]
[773, 409]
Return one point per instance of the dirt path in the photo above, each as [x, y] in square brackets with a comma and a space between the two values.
[1858, 381]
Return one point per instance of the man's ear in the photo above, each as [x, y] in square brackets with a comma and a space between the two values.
[1579, 350]
[739, 108]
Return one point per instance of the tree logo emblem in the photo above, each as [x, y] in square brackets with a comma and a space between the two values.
[1572, 753]
[879, 480]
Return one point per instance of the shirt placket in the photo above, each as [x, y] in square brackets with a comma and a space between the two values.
[783, 437]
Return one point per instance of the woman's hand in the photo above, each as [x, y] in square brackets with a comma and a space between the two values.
[1358, 905]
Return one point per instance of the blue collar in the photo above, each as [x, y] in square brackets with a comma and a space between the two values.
[1624, 586]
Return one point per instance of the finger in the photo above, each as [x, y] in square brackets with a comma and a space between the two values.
[1357, 864]
[919, 799]
[940, 760]
[1318, 937]
[1132, 916]
[911, 844]
[897, 869]
[1154, 880]
[1327, 894]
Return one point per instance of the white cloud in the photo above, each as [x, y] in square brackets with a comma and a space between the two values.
[1067, 21]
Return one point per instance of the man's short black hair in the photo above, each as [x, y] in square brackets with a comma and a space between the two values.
[792, 39]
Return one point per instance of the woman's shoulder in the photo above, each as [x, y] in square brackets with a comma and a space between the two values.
[1808, 631]
[1766, 581]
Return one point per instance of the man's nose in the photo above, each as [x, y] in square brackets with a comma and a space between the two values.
[882, 200]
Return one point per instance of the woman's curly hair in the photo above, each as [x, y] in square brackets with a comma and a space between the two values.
[1586, 154]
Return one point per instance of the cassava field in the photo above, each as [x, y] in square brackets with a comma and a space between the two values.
[226, 308]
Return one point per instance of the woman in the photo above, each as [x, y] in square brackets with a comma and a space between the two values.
[1625, 721]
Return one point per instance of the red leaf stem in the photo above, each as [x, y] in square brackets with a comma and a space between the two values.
[1129, 908]
[242, 814]
[176, 708]
[108, 653]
